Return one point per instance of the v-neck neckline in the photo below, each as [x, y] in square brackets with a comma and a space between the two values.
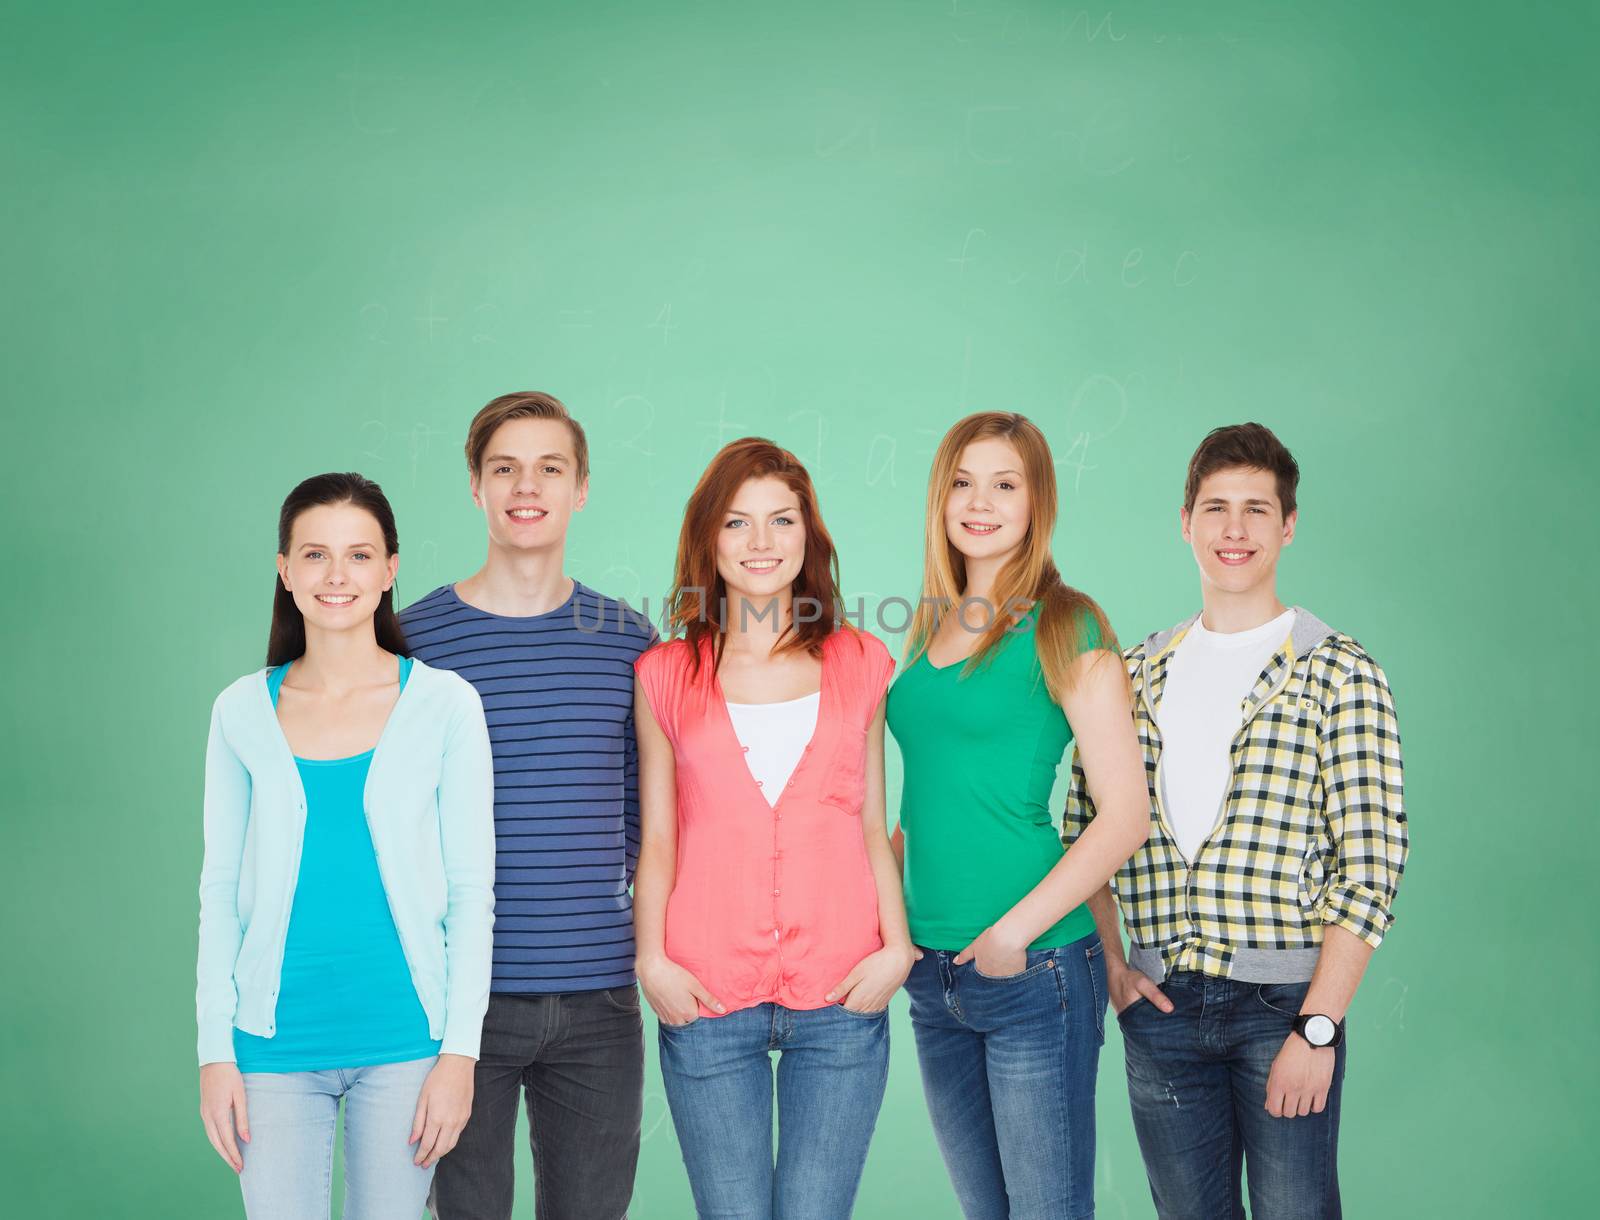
[824, 693]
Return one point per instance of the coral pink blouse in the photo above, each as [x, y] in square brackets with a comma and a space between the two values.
[770, 902]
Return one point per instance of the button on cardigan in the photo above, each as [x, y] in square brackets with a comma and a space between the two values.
[770, 902]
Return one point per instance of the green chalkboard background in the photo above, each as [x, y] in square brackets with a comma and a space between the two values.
[246, 244]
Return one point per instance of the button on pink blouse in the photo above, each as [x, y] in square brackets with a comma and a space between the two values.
[771, 902]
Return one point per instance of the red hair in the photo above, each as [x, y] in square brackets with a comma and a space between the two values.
[697, 602]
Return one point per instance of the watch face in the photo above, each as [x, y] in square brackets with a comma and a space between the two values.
[1319, 1030]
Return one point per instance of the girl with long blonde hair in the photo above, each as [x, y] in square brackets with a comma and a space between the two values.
[1006, 666]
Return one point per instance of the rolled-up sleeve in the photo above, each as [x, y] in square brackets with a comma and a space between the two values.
[1365, 811]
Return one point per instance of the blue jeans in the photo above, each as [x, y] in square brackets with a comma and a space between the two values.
[1197, 1080]
[1008, 1067]
[832, 1070]
[288, 1163]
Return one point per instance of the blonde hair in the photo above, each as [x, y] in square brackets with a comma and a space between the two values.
[1029, 577]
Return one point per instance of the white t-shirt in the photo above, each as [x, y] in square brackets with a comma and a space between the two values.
[774, 735]
[1202, 707]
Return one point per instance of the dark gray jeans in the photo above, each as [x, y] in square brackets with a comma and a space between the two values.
[580, 1059]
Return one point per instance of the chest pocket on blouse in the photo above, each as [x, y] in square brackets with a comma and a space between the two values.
[845, 785]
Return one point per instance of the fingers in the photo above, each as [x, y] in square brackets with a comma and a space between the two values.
[698, 989]
[419, 1120]
[1284, 1103]
[916, 953]
[846, 986]
[214, 1134]
[229, 1145]
[1151, 992]
[430, 1138]
[241, 1116]
[967, 954]
[448, 1139]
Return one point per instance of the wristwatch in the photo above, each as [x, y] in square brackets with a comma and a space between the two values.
[1319, 1030]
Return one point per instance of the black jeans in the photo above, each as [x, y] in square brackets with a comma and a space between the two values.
[580, 1057]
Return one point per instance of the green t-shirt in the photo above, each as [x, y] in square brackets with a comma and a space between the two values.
[980, 757]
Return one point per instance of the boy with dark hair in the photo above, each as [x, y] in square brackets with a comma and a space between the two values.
[553, 662]
[1276, 845]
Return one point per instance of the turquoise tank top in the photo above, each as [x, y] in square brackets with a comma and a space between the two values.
[345, 996]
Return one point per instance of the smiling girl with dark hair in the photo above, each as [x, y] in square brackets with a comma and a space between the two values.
[346, 896]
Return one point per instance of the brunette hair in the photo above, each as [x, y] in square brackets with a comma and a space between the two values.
[1029, 577]
[1249, 445]
[525, 404]
[287, 639]
[698, 597]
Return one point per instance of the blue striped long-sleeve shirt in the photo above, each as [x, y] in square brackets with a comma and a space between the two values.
[557, 692]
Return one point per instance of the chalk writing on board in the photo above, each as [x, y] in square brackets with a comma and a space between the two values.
[882, 448]
[1132, 277]
[813, 461]
[485, 320]
[722, 428]
[431, 318]
[1104, 126]
[622, 581]
[980, 130]
[1097, 409]
[923, 454]
[374, 436]
[1389, 1010]
[1012, 25]
[664, 322]
[643, 413]
[966, 245]
[1136, 265]
[1081, 19]
[655, 1113]
[862, 130]
[1108, 1193]
[374, 317]
[417, 444]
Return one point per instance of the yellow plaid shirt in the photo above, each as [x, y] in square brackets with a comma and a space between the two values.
[1312, 830]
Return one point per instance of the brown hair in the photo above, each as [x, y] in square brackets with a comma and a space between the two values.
[697, 600]
[1029, 577]
[286, 640]
[525, 404]
[1250, 445]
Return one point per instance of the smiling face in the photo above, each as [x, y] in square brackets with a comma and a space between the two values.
[337, 568]
[761, 545]
[1236, 530]
[986, 511]
[527, 483]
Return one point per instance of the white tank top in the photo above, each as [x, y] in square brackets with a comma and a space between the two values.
[774, 735]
